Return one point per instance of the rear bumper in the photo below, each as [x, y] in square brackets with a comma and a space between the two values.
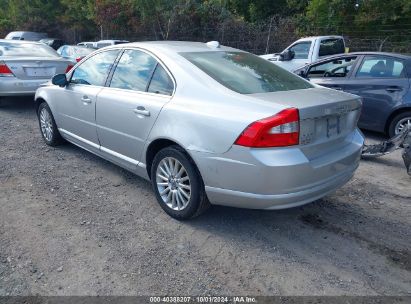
[277, 201]
[276, 178]
[12, 86]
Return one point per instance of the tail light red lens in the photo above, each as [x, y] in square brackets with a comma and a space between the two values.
[280, 130]
[69, 67]
[79, 59]
[5, 71]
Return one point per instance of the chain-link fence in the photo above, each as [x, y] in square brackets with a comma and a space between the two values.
[271, 36]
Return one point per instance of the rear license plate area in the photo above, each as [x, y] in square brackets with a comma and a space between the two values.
[333, 126]
[40, 72]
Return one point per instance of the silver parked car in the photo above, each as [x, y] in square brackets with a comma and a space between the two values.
[207, 124]
[25, 65]
[24, 35]
[74, 53]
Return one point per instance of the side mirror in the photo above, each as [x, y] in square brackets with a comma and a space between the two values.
[302, 74]
[60, 80]
[287, 55]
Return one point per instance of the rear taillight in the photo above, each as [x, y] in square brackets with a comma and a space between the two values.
[5, 71]
[79, 59]
[69, 67]
[280, 130]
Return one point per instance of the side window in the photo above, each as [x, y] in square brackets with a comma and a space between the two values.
[62, 51]
[383, 67]
[161, 83]
[101, 45]
[331, 47]
[94, 70]
[133, 71]
[339, 67]
[68, 51]
[301, 50]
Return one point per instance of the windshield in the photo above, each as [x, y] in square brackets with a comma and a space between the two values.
[245, 73]
[26, 50]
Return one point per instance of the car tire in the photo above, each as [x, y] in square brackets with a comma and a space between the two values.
[48, 127]
[397, 120]
[173, 169]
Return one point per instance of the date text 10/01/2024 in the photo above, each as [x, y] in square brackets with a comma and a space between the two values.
[203, 299]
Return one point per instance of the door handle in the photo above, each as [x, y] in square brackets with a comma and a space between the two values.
[393, 89]
[141, 111]
[85, 99]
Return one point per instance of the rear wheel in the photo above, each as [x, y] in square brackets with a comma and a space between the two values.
[177, 184]
[48, 127]
[399, 123]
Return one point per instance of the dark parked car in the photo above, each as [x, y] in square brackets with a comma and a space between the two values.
[381, 79]
[53, 42]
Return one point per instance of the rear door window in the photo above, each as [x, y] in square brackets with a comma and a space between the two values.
[161, 82]
[331, 47]
[94, 70]
[133, 71]
[381, 67]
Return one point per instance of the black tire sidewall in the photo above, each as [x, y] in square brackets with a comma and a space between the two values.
[197, 187]
[391, 129]
[56, 139]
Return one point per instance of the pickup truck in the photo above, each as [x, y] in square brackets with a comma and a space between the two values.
[307, 50]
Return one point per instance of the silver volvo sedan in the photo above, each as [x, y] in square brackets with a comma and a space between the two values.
[206, 124]
[25, 65]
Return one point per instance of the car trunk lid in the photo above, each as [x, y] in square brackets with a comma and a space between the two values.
[326, 116]
[36, 68]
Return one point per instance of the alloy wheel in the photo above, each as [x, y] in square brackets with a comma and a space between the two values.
[46, 124]
[173, 183]
[402, 124]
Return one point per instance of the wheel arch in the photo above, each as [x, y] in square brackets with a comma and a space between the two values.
[393, 115]
[155, 146]
[37, 102]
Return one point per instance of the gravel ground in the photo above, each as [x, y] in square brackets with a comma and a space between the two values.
[74, 224]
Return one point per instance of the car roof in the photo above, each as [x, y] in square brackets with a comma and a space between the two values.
[175, 46]
[317, 37]
[77, 46]
[26, 32]
[111, 40]
[21, 41]
[400, 56]
[403, 56]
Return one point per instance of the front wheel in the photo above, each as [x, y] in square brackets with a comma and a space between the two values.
[177, 184]
[399, 123]
[48, 127]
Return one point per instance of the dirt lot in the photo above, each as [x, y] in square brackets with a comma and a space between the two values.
[73, 224]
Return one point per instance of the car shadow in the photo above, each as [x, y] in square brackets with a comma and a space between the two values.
[23, 104]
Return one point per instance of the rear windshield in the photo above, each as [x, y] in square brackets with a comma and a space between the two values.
[83, 51]
[101, 45]
[245, 73]
[26, 49]
[331, 47]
